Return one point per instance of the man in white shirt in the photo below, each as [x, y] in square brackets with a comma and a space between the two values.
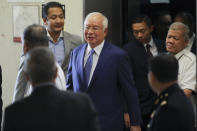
[176, 43]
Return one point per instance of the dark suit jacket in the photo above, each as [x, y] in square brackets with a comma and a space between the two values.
[49, 109]
[1, 102]
[173, 111]
[111, 76]
[139, 64]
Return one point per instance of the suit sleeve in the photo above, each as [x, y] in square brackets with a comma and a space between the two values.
[20, 85]
[69, 81]
[129, 90]
[7, 122]
[77, 39]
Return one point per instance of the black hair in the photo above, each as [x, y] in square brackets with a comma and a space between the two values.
[141, 18]
[52, 4]
[165, 67]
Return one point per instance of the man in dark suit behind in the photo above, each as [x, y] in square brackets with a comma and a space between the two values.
[139, 55]
[48, 108]
[173, 110]
[110, 75]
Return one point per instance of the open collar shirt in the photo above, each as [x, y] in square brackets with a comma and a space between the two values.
[57, 48]
[187, 69]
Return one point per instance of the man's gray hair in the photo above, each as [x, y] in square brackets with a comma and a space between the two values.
[105, 20]
[40, 65]
[181, 27]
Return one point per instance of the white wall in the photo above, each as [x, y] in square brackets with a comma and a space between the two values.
[10, 52]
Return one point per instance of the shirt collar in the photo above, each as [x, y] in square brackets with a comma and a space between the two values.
[50, 38]
[97, 49]
[43, 84]
[151, 43]
[181, 53]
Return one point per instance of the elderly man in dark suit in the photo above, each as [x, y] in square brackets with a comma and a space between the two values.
[48, 108]
[140, 50]
[173, 110]
[102, 71]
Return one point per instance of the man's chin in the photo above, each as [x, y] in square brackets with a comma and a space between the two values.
[141, 41]
[58, 29]
[171, 51]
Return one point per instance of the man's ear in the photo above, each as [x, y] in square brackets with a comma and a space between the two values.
[27, 76]
[154, 79]
[25, 48]
[45, 21]
[151, 28]
[105, 32]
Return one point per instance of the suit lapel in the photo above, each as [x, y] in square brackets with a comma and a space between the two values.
[100, 64]
[143, 57]
[67, 42]
[80, 65]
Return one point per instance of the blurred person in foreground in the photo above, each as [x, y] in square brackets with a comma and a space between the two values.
[48, 108]
[173, 111]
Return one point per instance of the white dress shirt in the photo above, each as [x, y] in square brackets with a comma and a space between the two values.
[23, 87]
[96, 55]
[187, 69]
[153, 47]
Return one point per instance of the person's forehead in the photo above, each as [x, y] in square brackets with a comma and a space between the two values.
[94, 21]
[55, 10]
[175, 31]
[140, 24]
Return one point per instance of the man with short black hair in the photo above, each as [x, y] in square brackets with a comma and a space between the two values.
[172, 110]
[140, 50]
[61, 43]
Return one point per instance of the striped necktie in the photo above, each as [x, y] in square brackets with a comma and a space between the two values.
[88, 66]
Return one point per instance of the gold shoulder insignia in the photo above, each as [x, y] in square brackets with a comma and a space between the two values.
[161, 96]
[163, 103]
[156, 101]
[152, 115]
[166, 94]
